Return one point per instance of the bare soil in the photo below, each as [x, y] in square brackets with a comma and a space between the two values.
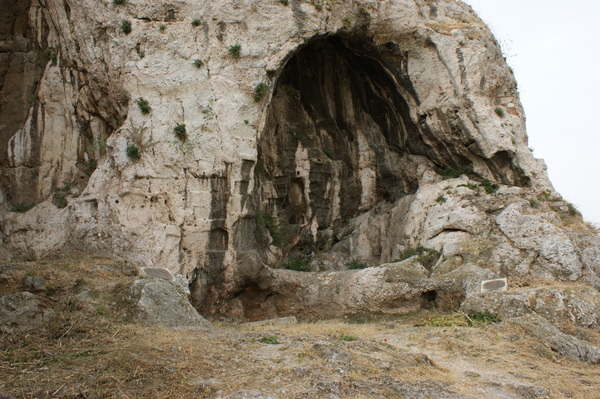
[90, 348]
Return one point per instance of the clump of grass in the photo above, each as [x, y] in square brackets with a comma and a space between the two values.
[119, 2]
[180, 131]
[21, 207]
[347, 22]
[318, 6]
[297, 264]
[329, 153]
[196, 22]
[246, 121]
[142, 54]
[260, 91]
[544, 195]
[50, 54]
[126, 26]
[144, 106]
[162, 27]
[347, 338]
[198, 63]
[470, 186]
[440, 199]
[451, 173]
[572, 210]
[427, 257]
[267, 220]
[133, 152]
[533, 203]
[499, 111]
[284, 2]
[489, 187]
[483, 318]
[356, 264]
[235, 50]
[272, 340]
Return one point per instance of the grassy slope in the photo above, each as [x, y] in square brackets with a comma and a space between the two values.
[93, 350]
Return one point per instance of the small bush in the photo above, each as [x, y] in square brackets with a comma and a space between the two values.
[425, 256]
[533, 203]
[133, 152]
[260, 91]
[272, 340]
[246, 121]
[126, 26]
[489, 187]
[142, 54]
[196, 22]
[297, 264]
[162, 27]
[235, 50]
[21, 207]
[450, 173]
[348, 338]
[50, 54]
[499, 111]
[284, 2]
[329, 153]
[144, 106]
[119, 2]
[470, 186]
[484, 317]
[440, 199]
[267, 220]
[198, 63]
[318, 6]
[180, 132]
[356, 264]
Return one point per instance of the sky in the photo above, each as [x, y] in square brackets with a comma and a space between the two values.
[553, 47]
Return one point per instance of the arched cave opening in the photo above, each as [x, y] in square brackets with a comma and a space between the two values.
[340, 130]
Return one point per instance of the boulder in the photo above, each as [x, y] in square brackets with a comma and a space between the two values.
[20, 313]
[162, 303]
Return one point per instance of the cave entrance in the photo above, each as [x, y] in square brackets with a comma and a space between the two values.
[339, 128]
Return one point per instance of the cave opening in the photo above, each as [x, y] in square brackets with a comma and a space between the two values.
[340, 128]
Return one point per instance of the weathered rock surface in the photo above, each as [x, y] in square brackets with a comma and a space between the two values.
[565, 344]
[162, 303]
[328, 131]
[20, 312]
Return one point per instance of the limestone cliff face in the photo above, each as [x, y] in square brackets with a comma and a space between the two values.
[313, 131]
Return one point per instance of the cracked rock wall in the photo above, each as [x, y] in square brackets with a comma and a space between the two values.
[365, 100]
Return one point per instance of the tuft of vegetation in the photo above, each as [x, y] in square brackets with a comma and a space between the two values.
[259, 169]
[533, 203]
[499, 111]
[317, 4]
[356, 264]
[347, 338]
[260, 91]
[196, 22]
[572, 210]
[119, 2]
[21, 207]
[180, 131]
[266, 220]
[449, 173]
[544, 195]
[162, 27]
[126, 26]
[134, 152]
[489, 187]
[347, 22]
[284, 2]
[50, 54]
[470, 186]
[272, 340]
[329, 153]
[144, 106]
[246, 121]
[235, 50]
[297, 264]
[427, 257]
[440, 199]
[198, 63]
[482, 318]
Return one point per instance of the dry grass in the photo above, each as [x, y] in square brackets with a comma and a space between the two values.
[89, 350]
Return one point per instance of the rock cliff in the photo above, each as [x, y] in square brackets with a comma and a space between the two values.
[223, 140]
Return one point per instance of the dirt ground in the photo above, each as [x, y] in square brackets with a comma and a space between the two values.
[88, 347]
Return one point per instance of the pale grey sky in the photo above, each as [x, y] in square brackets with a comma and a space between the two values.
[553, 48]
